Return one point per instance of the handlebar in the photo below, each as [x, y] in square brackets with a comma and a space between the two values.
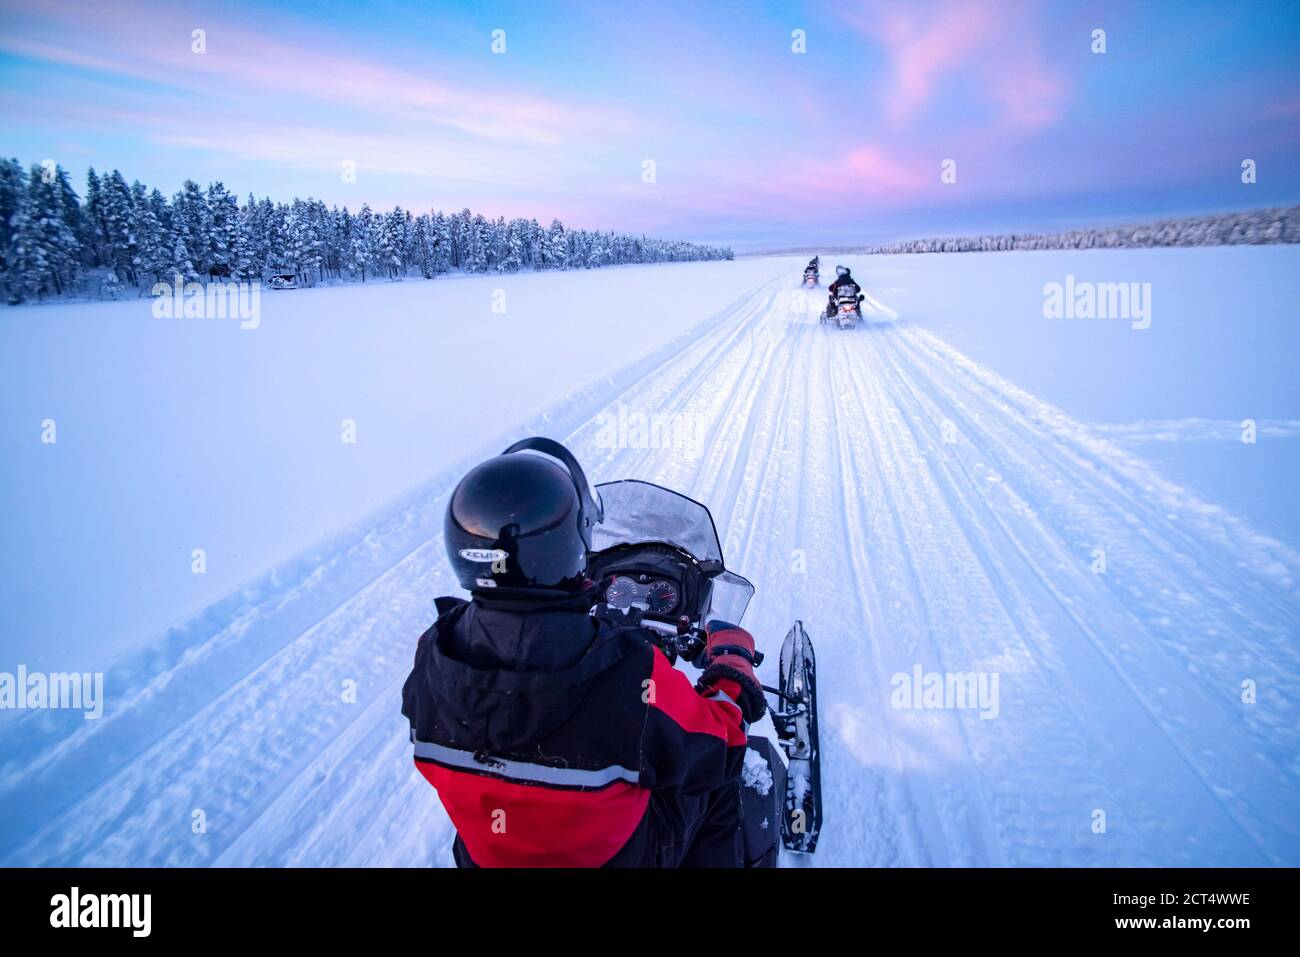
[679, 636]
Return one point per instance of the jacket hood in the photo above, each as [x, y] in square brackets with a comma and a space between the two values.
[498, 675]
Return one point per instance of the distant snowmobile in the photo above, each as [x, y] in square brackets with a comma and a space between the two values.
[660, 552]
[847, 308]
[845, 305]
[811, 275]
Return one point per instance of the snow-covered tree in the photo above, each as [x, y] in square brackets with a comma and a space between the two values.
[1247, 227]
[94, 234]
[388, 244]
[441, 243]
[190, 208]
[361, 255]
[513, 258]
[13, 185]
[151, 259]
[117, 218]
[43, 253]
[476, 251]
[421, 248]
[557, 246]
[223, 231]
[303, 249]
[48, 234]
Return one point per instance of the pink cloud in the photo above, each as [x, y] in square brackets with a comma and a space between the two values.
[923, 50]
[861, 177]
[993, 41]
[1029, 94]
[871, 168]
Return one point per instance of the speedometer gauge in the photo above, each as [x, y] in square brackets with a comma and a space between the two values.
[621, 592]
[661, 596]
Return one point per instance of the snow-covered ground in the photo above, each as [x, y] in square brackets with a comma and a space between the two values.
[914, 505]
[1221, 348]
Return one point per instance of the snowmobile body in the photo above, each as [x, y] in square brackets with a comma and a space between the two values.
[762, 787]
[847, 309]
[811, 278]
[658, 554]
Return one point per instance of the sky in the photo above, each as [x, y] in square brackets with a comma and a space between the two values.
[765, 125]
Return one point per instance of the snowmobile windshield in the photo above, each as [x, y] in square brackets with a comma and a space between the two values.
[637, 511]
[729, 596]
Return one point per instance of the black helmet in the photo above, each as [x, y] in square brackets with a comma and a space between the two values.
[522, 521]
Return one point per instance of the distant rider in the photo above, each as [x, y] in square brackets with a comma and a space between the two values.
[844, 282]
[531, 717]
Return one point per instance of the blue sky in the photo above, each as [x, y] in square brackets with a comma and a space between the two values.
[752, 143]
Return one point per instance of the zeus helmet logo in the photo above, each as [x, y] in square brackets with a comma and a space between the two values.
[485, 555]
[496, 557]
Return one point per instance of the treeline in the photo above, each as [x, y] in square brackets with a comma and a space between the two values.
[125, 237]
[1252, 227]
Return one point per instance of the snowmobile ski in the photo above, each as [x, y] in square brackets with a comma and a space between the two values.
[796, 728]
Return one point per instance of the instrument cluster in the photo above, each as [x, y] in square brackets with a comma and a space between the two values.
[658, 595]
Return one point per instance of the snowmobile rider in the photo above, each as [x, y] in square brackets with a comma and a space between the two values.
[843, 281]
[555, 737]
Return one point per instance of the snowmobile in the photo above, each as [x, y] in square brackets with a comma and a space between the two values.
[658, 554]
[847, 308]
[811, 278]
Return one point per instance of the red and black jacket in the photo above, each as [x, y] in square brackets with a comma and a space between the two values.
[546, 731]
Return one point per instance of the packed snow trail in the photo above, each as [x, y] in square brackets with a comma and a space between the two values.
[912, 508]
